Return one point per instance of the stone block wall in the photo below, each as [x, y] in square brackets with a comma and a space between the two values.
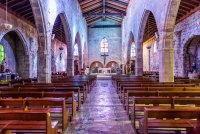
[28, 36]
[59, 56]
[113, 36]
[184, 32]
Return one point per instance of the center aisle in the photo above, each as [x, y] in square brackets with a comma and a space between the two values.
[102, 113]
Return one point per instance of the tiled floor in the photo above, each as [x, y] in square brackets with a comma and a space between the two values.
[102, 113]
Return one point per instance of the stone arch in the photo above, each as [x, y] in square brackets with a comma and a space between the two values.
[140, 40]
[110, 62]
[190, 56]
[80, 56]
[44, 52]
[16, 49]
[131, 40]
[85, 55]
[166, 46]
[94, 63]
[21, 36]
[67, 41]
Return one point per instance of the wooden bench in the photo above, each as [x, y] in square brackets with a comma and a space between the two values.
[56, 107]
[31, 121]
[81, 92]
[76, 90]
[131, 94]
[154, 87]
[129, 86]
[69, 97]
[174, 119]
[139, 103]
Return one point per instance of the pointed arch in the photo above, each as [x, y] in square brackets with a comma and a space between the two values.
[80, 55]
[16, 49]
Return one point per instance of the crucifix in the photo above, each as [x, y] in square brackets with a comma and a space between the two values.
[104, 49]
[104, 55]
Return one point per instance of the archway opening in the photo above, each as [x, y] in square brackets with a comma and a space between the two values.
[150, 45]
[114, 66]
[192, 57]
[95, 66]
[14, 55]
[59, 47]
[77, 53]
[131, 55]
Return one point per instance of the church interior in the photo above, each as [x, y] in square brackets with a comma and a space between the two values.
[99, 66]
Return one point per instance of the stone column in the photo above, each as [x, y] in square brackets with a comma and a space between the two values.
[44, 61]
[166, 58]
[177, 59]
[139, 59]
[123, 68]
[70, 60]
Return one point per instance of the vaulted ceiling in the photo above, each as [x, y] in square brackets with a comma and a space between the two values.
[186, 8]
[95, 10]
[20, 8]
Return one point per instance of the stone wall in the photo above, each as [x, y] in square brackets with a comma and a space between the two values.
[113, 36]
[59, 56]
[28, 36]
[154, 57]
[185, 31]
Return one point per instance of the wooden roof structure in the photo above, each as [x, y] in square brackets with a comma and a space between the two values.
[20, 8]
[96, 10]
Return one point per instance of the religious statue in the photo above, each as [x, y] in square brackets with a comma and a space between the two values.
[193, 67]
[3, 65]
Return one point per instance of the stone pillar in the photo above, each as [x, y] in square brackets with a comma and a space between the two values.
[139, 59]
[70, 66]
[80, 63]
[177, 53]
[44, 61]
[123, 68]
[70, 60]
[166, 57]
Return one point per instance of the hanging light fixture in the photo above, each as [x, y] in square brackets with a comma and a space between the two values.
[6, 26]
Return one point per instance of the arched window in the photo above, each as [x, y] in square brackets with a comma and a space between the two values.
[76, 50]
[2, 53]
[155, 47]
[104, 45]
[133, 50]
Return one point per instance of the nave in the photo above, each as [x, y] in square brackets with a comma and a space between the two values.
[102, 113]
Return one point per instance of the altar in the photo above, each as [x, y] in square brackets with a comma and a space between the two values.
[104, 70]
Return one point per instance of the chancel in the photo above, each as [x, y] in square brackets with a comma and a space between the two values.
[99, 66]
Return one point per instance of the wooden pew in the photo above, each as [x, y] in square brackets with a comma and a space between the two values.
[32, 121]
[56, 107]
[124, 95]
[129, 86]
[139, 103]
[80, 90]
[12, 104]
[76, 90]
[185, 116]
[69, 97]
[131, 94]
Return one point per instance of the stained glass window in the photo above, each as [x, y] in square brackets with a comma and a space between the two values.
[133, 50]
[2, 53]
[104, 45]
[76, 50]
